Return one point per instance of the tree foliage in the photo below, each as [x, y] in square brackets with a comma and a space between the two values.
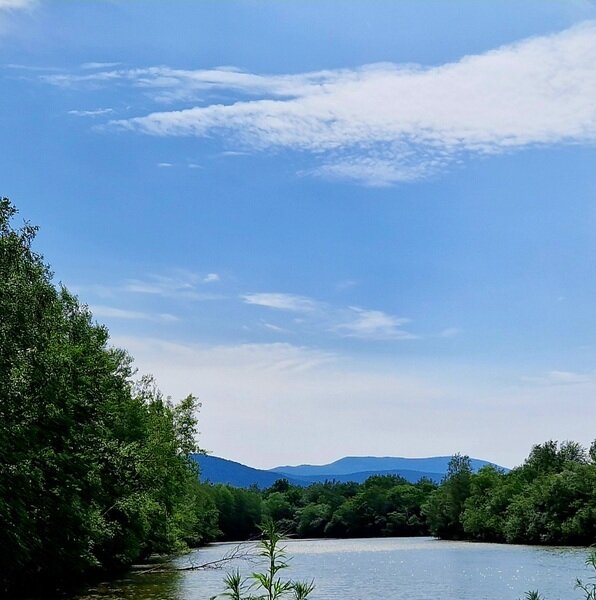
[94, 468]
[550, 499]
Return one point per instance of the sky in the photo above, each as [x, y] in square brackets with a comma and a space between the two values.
[349, 228]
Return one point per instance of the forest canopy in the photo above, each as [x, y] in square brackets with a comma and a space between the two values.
[549, 499]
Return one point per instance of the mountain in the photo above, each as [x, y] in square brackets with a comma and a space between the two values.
[350, 468]
[375, 464]
[362, 476]
[221, 470]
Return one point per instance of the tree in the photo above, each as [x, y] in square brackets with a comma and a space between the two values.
[444, 508]
[94, 469]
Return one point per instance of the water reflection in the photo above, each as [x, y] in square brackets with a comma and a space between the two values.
[139, 586]
[390, 568]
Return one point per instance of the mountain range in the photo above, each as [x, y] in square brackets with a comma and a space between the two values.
[349, 468]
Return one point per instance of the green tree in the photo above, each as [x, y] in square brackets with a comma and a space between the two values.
[444, 507]
[94, 470]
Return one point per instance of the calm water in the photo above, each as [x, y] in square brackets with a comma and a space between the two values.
[394, 568]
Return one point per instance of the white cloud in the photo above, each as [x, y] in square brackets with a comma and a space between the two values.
[289, 302]
[450, 332]
[373, 171]
[387, 122]
[374, 325]
[267, 404]
[90, 66]
[109, 312]
[274, 328]
[98, 112]
[353, 322]
[181, 284]
[234, 153]
[164, 165]
[558, 378]
[17, 4]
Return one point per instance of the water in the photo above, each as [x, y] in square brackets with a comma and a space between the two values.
[389, 568]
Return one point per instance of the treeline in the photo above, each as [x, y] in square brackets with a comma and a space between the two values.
[381, 506]
[94, 468]
[550, 499]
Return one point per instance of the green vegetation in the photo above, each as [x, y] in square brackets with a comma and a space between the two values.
[382, 506]
[550, 499]
[94, 467]
[267, 585]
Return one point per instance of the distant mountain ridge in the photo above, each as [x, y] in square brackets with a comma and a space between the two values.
[357, 464]
[349, 468]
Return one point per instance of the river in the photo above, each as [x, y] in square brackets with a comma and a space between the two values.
[387, 568]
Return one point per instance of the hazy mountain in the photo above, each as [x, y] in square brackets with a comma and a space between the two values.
[353, 468]
[361, 476]
[221, 470]
[375, 464]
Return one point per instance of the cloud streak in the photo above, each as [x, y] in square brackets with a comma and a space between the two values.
[351, 322]
[385, 123]
[181, 285]
[278, 301]
[98, 112]
[374, 325]
[9, 5]
[110, 312]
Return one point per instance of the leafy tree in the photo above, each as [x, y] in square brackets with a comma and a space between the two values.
[312, 520]
[445, 505]
[483, 515]
[94, 470]
[277, 508]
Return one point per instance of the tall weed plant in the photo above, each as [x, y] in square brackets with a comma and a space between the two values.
[267, 584]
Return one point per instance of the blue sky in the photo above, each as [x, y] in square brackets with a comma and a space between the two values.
[348, 227]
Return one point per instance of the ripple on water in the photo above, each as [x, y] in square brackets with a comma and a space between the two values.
[388, 568]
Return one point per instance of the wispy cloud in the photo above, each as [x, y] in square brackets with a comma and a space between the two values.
[289, 302]
[164, 165]
[111, 312]
[168, 84]
[374, 325]
[98, 112]
[450, 332]
[386, 123]
[351, 322]
[179, 284]
[275, 328]
[9, 5]
[558, 378]
[182, 285]
[90, 66]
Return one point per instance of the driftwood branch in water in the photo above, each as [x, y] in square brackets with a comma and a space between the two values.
[242, 551]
